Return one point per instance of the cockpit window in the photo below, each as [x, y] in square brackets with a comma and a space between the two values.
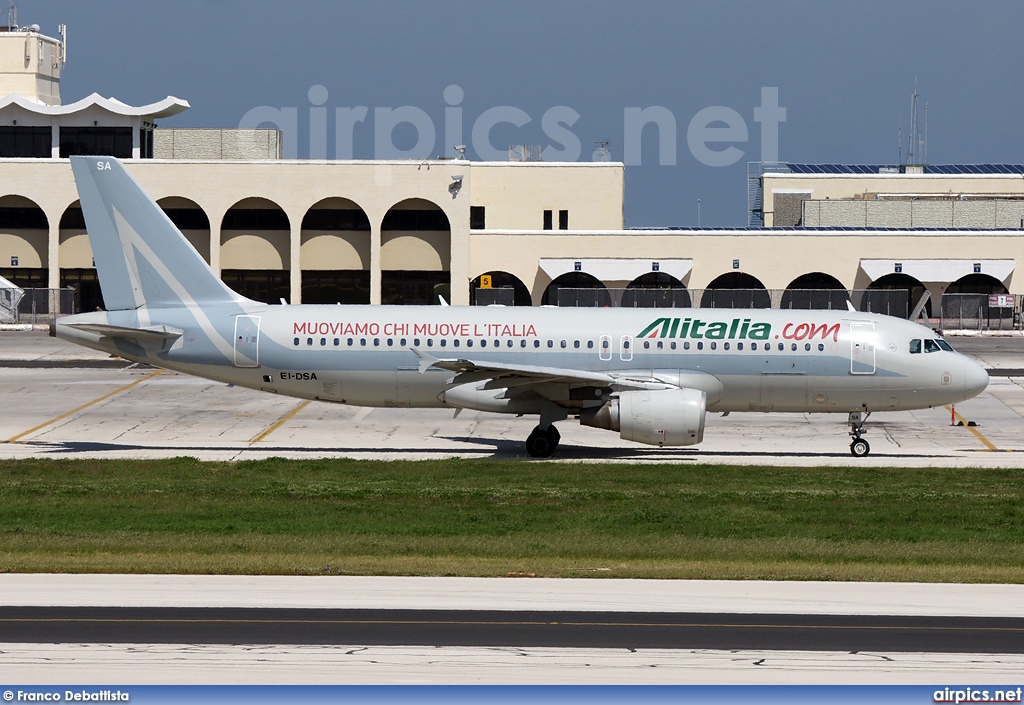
[944, 345]
[915, 346]
[931, 346]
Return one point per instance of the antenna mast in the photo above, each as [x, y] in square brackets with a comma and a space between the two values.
[12, 15]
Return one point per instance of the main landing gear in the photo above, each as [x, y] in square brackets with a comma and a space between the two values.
[541, 443]
[859, 447]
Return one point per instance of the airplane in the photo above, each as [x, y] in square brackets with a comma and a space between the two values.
[652, 375]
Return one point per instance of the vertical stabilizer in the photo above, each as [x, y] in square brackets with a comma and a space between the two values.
[142, 259]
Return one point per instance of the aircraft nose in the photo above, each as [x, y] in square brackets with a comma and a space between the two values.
[975, 379]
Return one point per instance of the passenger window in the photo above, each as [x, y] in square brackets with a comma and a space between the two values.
[915, 346]
[782, 346]
[337, 342]
[430, 342]
[686, 345]
[415, 341]
[672, 345]
[753, 346]
[536, 343]
[590, 345]
[739, 346]
[821, 347]
[456, 342]
[510, 343]
[443, 342]
[931, 346]
[647, 345]
[700, 346]
[714, 346]
[522, 343]
[391, 342]
[402, 342]
[483, 344]
[562, 345]
[349, 342]
[576, 344]
[323, 341]
[296, 341]
[807, 346]
[551, 343]
[362, 341]
[376, 342]
[469, 343]
[309, 341]
[725, 346]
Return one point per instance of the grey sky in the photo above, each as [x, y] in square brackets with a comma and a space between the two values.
[844, 73]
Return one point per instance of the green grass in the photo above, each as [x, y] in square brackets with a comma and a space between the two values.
[462, 517]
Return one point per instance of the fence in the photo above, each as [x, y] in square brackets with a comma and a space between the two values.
[892, 302]
[973, 312]
[39, 305]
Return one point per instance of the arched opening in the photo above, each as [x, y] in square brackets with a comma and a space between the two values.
[415, 254]
[895, 294]
[335, 253]
[254, 250]
[576, 289]
[656, 290]
[966, 300]
[505, 289]
[77, 268]
[816, 290]
[24, 233]
[736, 290]
[191, 220]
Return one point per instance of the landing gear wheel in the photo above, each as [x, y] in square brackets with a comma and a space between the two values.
[859, 448]
[541, 443]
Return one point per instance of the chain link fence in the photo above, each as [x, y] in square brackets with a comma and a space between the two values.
[35, 305]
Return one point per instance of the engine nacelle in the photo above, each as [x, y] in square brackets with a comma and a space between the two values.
[664, 417]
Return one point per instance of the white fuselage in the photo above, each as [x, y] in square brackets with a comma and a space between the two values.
[744, 359]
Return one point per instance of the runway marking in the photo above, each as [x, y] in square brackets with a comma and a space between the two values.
[14, 439]
[502, 623]
[280, 422]
[977, 434]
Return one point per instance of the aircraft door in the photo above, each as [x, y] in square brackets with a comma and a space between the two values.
[862, 348]
[604, 349]
[626, 348]
[247, 338]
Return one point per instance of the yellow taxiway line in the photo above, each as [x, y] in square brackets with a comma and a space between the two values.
[15, 439]
[977, 434]
[280, 422]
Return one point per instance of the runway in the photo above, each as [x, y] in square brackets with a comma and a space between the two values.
[593, 630]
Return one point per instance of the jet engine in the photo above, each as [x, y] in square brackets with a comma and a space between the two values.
[664, 417]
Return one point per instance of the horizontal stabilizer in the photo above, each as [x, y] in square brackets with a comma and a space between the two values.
[156, 336]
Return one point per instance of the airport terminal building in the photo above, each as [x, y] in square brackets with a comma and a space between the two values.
[520, 232]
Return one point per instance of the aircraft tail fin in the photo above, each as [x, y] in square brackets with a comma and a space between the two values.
[142, 259]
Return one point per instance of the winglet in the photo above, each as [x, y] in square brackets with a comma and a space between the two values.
[425, 359]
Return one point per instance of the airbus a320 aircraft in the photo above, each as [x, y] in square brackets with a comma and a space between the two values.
[649, 374]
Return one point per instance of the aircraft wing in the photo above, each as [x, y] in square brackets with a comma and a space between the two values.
[506, 375]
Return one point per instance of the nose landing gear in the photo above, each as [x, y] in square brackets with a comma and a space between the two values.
[859, 447]
[541, 443]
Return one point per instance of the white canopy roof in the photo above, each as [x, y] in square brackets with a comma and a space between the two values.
[938, 270]
[616, 270]
[163, 108]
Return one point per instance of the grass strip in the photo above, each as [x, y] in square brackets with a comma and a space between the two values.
[472, 517]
